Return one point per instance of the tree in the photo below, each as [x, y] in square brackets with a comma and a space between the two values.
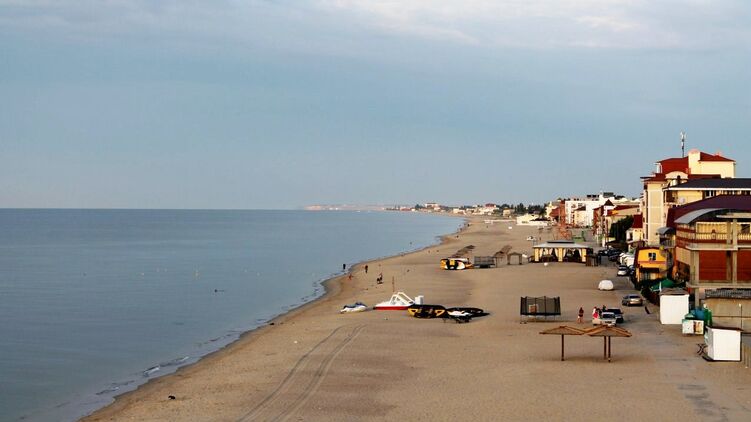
[619, 228]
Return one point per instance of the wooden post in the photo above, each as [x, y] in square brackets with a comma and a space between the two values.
[609, 348]
[562, 337]
[604, 347]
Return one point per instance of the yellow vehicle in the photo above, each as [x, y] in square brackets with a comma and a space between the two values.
[456, 264]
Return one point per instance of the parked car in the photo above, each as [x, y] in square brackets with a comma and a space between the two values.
[614, 252]
[632, 300]
[622, 271]
[604, 318]
[618, 314]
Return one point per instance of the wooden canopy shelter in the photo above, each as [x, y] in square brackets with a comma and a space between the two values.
[561, 251]
[502, 253]
[564, 330]
[607, 332]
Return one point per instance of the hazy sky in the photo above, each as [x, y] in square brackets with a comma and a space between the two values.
[280, 104]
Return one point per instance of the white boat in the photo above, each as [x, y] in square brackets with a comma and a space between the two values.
[399, 301]
[357, 307]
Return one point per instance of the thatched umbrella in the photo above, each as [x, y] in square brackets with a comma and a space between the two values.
[469, 247]
[607, 332]
[564, 330]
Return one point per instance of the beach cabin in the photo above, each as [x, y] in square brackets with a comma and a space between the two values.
[723, 344]
[673, 306]
[561, 251]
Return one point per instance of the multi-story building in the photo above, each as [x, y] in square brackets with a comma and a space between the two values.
[713, 243]
[673, 172]
[580, 212]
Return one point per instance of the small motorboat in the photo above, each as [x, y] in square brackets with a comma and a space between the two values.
[356, 307]
[399, 301]
[460, 314]
[456, 264]
[427, 311]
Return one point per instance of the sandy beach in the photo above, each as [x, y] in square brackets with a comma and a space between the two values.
[316, 364]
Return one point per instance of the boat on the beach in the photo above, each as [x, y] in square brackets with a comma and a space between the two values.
[458, 314]
[356, 307]
[456, 264]
[399, 301]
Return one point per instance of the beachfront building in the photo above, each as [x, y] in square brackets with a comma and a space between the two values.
[698, 189]
[672, 172]
[487, 209]
[651, 263]
[532, 220]
[580, 212]
[608, 214]
[713, 243]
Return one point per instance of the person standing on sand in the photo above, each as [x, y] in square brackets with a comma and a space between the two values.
[581, 315]
[595, 311]
[366, 268]
[344, 267]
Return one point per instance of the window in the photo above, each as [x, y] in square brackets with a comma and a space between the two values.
[652, 256]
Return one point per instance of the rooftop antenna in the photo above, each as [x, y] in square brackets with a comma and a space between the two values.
[683, 144]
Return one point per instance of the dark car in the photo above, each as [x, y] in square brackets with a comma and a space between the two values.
[618, 314]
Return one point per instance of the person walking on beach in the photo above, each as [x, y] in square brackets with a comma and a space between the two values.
[366, 268]
[595, 312]
[344, 267]
[581, 315]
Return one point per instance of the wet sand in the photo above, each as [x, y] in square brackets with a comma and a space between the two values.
[316, 364]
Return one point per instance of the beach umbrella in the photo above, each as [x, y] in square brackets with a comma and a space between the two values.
[564, 330]
[607, 332]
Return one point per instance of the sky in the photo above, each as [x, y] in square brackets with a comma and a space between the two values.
[281, 104]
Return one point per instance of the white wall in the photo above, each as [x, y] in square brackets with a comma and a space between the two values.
[673, 308]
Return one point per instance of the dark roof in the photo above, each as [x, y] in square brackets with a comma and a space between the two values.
[728, 293]
[728, 202]
[638, 222]
[714, 184]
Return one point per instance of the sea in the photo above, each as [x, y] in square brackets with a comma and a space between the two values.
[94, 303]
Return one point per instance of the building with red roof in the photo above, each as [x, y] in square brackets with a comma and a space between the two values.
[673, 172]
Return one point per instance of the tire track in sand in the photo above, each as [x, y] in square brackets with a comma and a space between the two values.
[303, 380]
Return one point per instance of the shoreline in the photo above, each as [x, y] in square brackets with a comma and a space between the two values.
[316, 364]
[333, 287]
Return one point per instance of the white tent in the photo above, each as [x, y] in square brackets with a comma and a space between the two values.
[605, 285]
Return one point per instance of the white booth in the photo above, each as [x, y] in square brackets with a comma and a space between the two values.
[723, 344]
[673, 306]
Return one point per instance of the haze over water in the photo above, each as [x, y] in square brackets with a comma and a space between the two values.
[94, 302]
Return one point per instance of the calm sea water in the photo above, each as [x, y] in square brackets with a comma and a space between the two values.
[96, 302]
